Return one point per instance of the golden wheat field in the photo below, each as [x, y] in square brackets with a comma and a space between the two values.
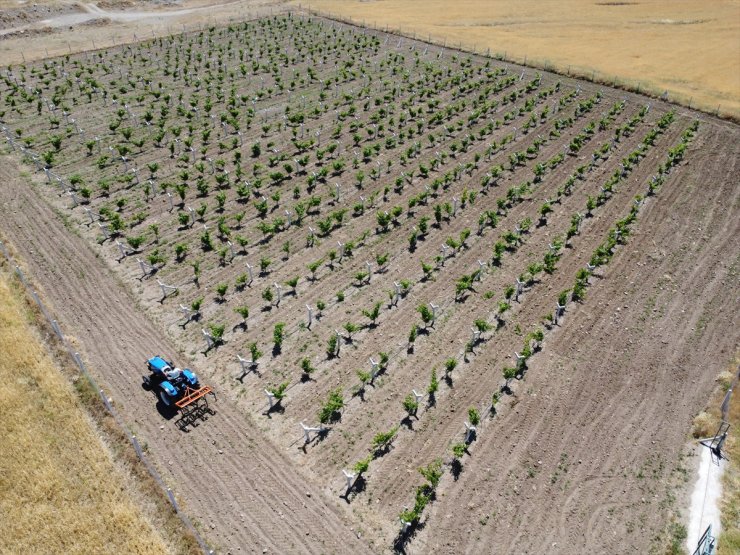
[691, 49]
[59, 488]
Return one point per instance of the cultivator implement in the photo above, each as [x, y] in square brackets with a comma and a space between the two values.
[193, 406]
[193, 396]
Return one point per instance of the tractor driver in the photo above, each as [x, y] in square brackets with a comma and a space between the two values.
[173, 374]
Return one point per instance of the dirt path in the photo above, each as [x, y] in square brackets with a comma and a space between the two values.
[245, 495]
[91, 12]
[82, 27]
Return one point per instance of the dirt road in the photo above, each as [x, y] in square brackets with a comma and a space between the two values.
[68, 27]
[245, 495]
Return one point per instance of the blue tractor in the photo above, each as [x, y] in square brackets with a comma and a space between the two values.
[179, 390]
[172, 383]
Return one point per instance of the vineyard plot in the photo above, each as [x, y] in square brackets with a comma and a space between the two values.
[348, 231]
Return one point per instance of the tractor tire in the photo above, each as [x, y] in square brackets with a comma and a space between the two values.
[166, 399]
[146, 383]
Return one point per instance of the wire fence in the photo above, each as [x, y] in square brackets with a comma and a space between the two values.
[77, 359]
[725, 407]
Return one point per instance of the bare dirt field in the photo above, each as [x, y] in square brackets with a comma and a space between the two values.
[687, 48]
[440, 176]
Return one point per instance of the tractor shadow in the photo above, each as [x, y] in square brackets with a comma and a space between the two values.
[165, 411]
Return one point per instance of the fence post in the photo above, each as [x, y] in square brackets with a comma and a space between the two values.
[172, 500]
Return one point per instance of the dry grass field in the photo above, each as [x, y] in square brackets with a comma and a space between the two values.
[687, 48]
[59, 488]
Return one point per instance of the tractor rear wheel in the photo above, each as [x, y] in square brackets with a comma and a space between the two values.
[165, 398]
